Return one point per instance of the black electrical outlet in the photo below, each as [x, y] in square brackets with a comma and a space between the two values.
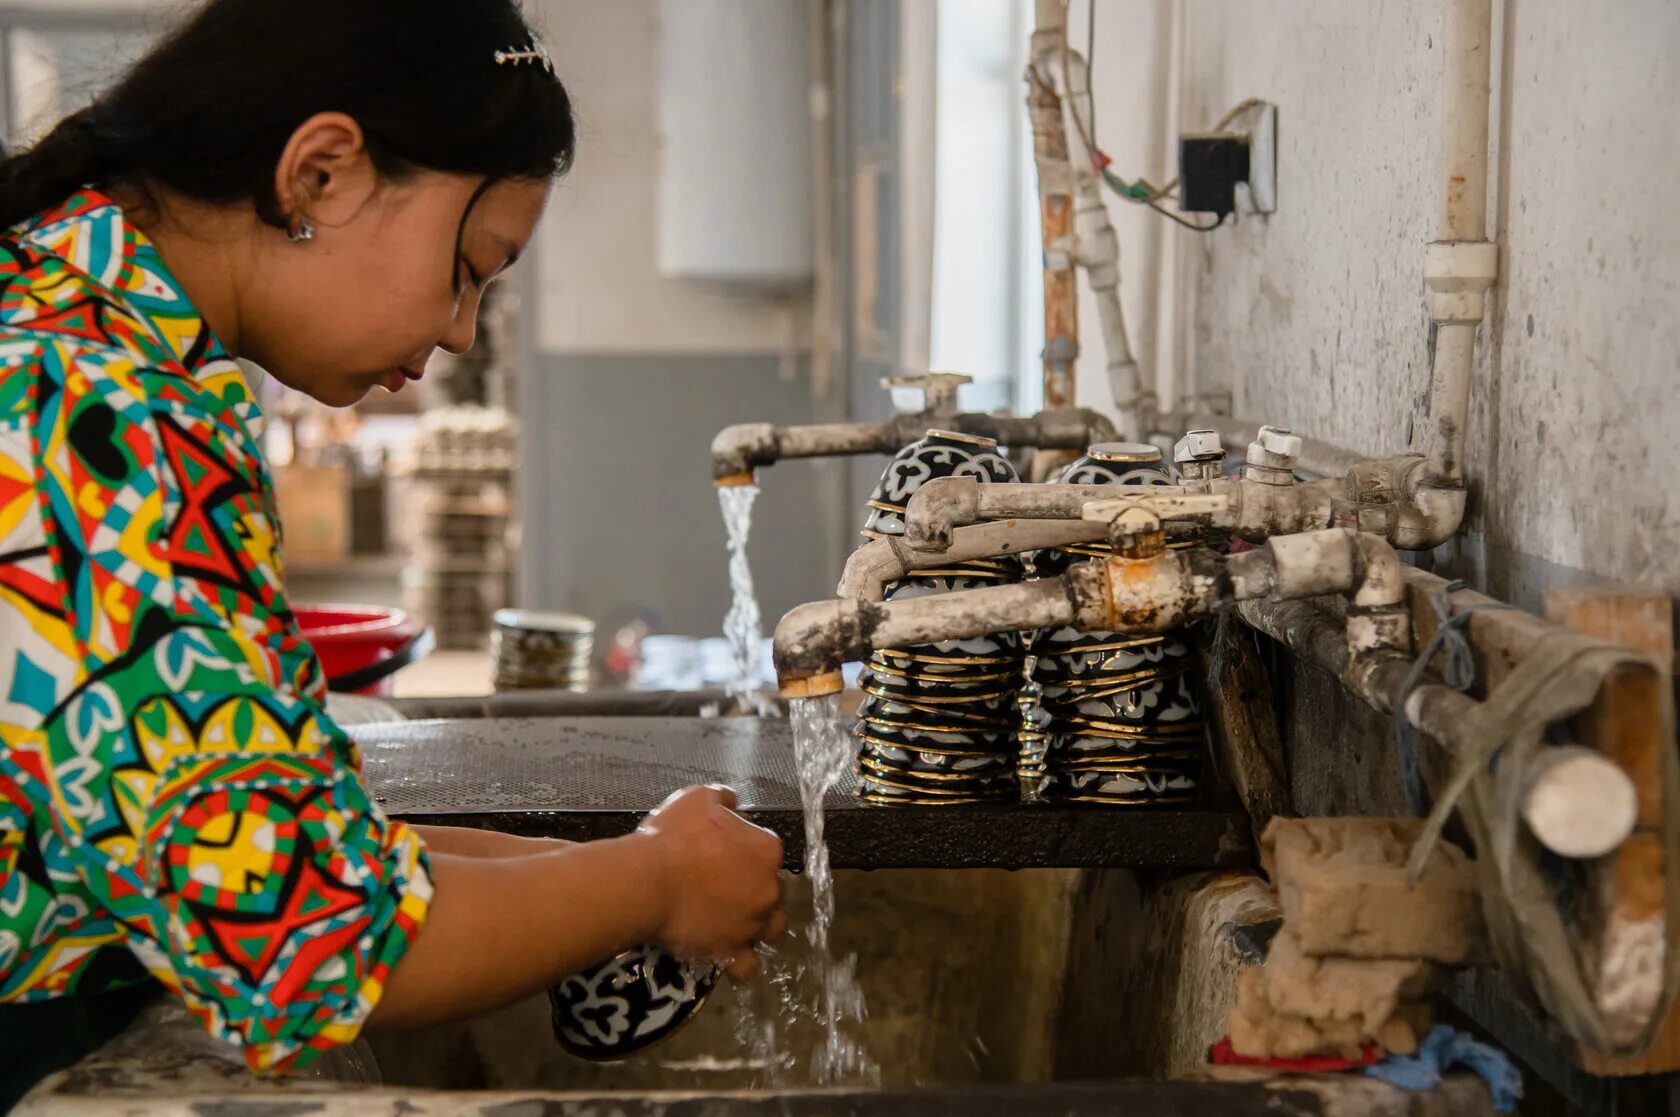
[1209, 168]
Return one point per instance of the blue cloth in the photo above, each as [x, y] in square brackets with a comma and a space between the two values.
[1441, 1050]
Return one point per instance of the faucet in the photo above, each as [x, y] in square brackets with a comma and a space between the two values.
[738, 451]
[1144, 588]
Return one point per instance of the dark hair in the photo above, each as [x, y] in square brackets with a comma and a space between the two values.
[207, 113]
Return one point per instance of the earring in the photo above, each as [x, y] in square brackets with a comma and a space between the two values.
[304, 231]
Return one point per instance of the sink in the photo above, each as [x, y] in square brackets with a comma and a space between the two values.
[961, 971]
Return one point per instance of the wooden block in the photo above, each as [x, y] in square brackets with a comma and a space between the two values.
[1250, 747]
[1635, 616]
[1627, 954]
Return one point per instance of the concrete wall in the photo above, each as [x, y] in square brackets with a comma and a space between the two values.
[619, 510]
[599, 285]
[1315, 316]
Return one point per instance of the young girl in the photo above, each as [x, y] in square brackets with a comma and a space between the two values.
[323, 188]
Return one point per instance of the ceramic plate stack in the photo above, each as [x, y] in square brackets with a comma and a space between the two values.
[938, 721]
[1120, 713]
[541, 651]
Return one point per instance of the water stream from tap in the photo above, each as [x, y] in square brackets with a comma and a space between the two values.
[741, 625]
[822, 750]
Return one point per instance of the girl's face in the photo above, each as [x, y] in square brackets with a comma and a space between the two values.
[389, 277]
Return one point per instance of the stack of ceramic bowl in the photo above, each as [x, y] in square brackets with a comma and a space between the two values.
[937, 724]
[541, 651]
[1120, 713]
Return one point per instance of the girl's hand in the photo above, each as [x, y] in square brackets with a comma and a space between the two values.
[718, 880]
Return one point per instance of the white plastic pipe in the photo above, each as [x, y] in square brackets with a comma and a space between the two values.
[1466, 86]
[1460, 266]
[1099, 255]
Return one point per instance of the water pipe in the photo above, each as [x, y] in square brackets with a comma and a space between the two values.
[880, 562]
[1460, 265]
[1144, 588]
[1265, 500]
[1056, 204]
[738, 451]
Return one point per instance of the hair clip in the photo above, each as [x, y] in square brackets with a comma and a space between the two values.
[535, 53]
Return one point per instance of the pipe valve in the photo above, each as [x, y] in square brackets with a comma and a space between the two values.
[1200, 456]
[1134, 523]
[1272, 456]
[939, 389]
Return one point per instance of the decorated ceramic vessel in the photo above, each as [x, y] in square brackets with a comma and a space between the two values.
[627, 1003]
[1117, 718]
[937, 720]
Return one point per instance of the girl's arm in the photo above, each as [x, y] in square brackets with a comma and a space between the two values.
[462, 841]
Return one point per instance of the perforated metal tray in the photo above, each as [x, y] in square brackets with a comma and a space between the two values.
[585, 778]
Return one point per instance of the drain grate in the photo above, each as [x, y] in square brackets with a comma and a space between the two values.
[579, 764]
[586, 778]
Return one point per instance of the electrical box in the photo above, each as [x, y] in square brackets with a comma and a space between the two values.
[1209, 169]
[735, 187]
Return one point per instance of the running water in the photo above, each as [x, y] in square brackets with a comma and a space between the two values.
[822, 749]
[741, 624]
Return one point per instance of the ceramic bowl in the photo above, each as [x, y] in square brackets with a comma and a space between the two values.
[1065, 660]
[627, 1003]
[977, 651]
[881, 797]
[1156, 707]
[965, 765]
[919, 738]
[897, 785]
[934, 784]
[935, 666]
[974, 717]
[1119, 788]
[952, 686]
[935, 454]
[1084, 750]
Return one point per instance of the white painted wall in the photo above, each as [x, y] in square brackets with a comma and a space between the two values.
[598, 288]
[1315, 317]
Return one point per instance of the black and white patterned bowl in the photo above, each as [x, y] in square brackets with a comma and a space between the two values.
[627, 1003]
[1139, 787]
[997, 715]
[963, 765]
[917, 738]
[874, 779]
[936, 454]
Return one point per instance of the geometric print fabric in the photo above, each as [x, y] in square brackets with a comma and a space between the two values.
[173, 799]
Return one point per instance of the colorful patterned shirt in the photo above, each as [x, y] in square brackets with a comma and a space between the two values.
[173, 798]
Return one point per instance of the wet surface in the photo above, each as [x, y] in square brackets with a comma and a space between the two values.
[585, 778]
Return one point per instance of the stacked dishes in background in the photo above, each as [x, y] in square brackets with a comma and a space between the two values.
[541, 651]
[1120, 714]
[937, 724]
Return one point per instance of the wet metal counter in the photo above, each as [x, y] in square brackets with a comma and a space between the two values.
[587, 778]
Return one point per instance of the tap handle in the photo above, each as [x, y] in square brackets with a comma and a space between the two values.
[1134, 523]
[939, 389]
[1152, 509]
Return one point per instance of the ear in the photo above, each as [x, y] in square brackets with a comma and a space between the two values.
[325, 174]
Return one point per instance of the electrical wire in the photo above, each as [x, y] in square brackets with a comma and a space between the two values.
[1091, 59]
[1192, 226]
[1140, 192]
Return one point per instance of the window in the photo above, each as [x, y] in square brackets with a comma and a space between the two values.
[986, 305]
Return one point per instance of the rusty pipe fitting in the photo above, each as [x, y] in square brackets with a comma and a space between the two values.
[1337, 560]
[814, 640]
[880, 562]
[942, 506]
